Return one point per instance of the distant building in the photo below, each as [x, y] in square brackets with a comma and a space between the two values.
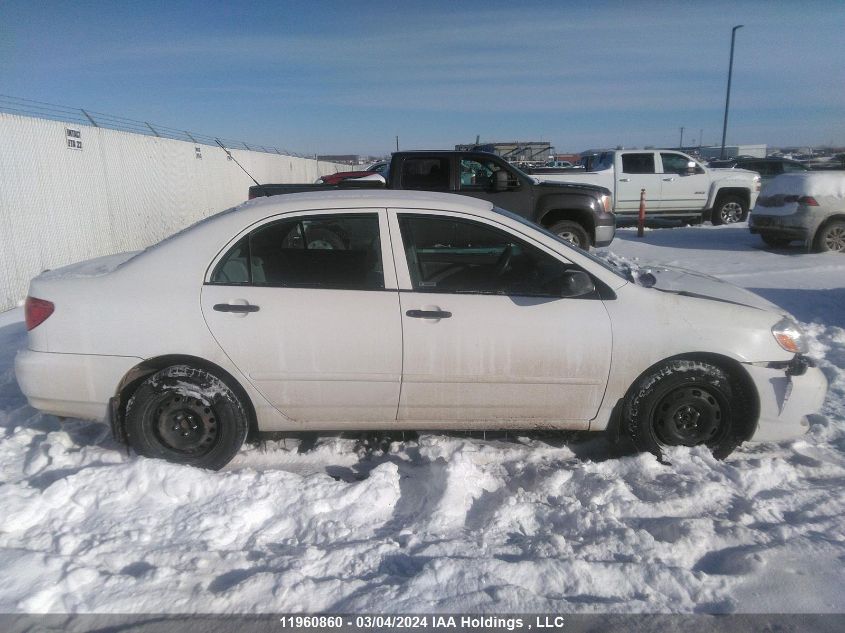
[348, 159]
[514, 151]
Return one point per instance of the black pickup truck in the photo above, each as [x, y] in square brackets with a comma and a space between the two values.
[580, 213]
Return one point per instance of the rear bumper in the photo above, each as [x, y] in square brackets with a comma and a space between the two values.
[786, 402]
[71, 385]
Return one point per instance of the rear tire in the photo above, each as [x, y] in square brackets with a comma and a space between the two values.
[186, 416]
[685, 403]
[831, 237]
[572, 232]
[729, 210]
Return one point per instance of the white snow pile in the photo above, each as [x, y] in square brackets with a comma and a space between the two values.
[443, 522]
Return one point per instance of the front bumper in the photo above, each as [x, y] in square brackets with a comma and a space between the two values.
[605, 234]
[71, 385]
[788, 396]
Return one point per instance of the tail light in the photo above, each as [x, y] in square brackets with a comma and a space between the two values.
[37, 311]
[252, 195]
[808, 201]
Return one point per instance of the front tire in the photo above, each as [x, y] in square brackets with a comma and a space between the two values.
[729, 210]
[831, 237]
[572, 232]
[187, 416]
[685, 403]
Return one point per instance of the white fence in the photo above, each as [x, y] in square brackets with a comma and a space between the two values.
[70, 192]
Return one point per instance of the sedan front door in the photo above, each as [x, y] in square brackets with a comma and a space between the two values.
[489, 337]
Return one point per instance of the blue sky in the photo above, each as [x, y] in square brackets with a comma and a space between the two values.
[347, 77]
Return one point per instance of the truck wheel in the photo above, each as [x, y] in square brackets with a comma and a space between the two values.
[728, 210]
[685, 403]
[831, 237]
[774, 242]
[187, 416]
[571, 232]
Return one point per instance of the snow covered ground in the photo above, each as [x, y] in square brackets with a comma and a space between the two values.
[443, 522]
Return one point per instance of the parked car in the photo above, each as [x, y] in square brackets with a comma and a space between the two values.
[332, 179]
[807, 206]
[580, 213]
[768, 168]
[676, 186]
[431, 311]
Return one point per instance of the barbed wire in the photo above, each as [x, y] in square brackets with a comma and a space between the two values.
[93, 118]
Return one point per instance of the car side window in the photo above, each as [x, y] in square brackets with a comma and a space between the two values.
[793, 167]
[674, 163]
[448, 255]
[638, 163]
[340, 252]
[426, 174]
[480, 175]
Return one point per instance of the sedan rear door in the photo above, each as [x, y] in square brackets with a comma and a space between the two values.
[303, 306]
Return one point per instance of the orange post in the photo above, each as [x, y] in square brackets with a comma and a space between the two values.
[641, 217]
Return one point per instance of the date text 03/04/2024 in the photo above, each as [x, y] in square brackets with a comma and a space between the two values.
[421, 622]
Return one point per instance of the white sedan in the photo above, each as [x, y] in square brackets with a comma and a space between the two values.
[402, 310]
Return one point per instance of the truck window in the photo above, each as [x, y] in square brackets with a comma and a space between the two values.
[638, 163]
[480, 175]
[426, 174]
[674, 163]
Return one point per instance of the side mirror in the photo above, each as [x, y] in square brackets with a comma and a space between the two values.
[576, 283]
[501, 181]
[692, 167]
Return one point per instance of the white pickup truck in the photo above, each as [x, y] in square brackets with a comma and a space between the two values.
[676, 185]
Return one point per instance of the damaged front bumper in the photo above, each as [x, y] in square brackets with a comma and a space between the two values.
[790, 392]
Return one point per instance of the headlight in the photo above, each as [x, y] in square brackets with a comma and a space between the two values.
[790, 336]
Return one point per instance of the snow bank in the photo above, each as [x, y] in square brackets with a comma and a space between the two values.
[544, 522]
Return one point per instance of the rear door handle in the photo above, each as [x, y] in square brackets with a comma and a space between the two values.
[235, 307]
[428, 314]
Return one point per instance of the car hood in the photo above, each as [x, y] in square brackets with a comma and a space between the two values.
[693, 284]
[548, 186]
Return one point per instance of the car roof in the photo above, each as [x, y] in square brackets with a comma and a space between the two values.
[365, 198]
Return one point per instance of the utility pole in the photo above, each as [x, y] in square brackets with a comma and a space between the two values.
[681, 147]
[700, 139]
[397, 143]
[728, 96]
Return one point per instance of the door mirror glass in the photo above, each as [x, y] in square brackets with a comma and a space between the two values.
[575, 283]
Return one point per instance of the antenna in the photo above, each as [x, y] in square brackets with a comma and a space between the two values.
[229, 154]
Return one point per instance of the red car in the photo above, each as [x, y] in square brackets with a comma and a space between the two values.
[333, 179]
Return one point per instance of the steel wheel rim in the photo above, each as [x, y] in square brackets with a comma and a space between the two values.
[731, 212]
[185, 425]
[689, 416]
[834, 239]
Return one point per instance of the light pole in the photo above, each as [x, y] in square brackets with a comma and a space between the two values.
[728, 97]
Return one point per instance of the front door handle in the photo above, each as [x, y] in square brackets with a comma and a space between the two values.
[624, 180]
[235, 307]
[428, 314]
